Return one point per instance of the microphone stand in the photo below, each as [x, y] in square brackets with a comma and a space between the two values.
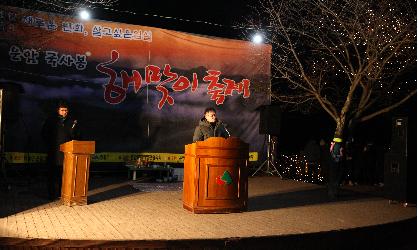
[269, 161]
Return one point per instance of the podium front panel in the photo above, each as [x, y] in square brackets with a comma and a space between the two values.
[81, 175]
[75, 179]
[220, 183]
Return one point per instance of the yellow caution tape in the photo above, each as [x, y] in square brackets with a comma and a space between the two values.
[103, 157]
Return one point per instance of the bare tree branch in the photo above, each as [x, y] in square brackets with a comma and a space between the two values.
[387, 109]
[355, 59]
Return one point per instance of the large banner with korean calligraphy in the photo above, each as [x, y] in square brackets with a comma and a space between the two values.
[131, 88]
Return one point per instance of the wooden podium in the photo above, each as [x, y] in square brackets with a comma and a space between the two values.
[216, 176]
[75, 174]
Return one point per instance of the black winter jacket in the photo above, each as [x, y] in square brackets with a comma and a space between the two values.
[204, 130]
[56, 131]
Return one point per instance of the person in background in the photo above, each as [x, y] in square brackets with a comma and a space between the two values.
[348, 165]
[356, 161]
[210, 126]
[334, 172]
[57, 129]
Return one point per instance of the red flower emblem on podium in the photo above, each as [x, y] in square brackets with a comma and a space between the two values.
[224, 179]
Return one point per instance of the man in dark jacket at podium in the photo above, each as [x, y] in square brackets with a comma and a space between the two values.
[56, 130]
[210, 126]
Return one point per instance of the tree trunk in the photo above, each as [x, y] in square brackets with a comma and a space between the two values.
[339, 130]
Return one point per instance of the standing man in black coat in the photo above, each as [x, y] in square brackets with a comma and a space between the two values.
[57, 129]
[210, 126]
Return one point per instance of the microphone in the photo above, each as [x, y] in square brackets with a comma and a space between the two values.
[74, 123]
[225, 125]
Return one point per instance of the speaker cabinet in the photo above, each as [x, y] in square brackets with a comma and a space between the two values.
[270, 120]
[400, 167]
[399, 143]
[396, 177]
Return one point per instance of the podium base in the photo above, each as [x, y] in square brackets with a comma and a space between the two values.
[208, 210]
[74, 201]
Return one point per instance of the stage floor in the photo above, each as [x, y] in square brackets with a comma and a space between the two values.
[117, 211]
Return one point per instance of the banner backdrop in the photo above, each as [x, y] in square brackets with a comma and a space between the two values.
[132, 88]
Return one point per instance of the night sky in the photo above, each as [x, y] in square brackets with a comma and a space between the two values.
[173, 15]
